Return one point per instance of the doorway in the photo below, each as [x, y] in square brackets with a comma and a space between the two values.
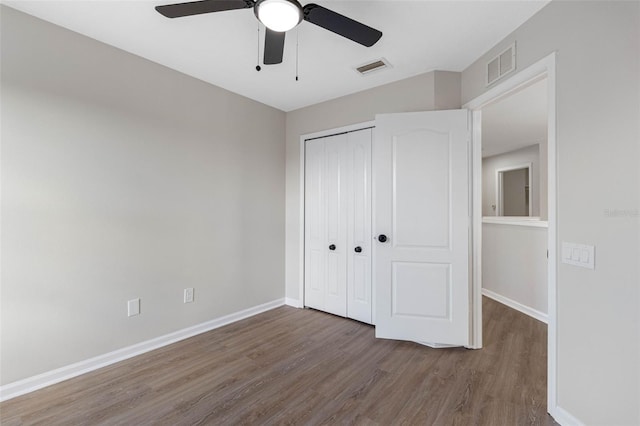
[544, 69]
[514, 200]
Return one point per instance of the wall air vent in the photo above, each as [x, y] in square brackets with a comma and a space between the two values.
[370, 67]
[502, 64]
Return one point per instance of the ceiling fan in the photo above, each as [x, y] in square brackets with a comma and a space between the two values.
[279, 16]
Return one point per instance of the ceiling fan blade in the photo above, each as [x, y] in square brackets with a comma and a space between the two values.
[273, 47]
[341, 25]
[204, 6]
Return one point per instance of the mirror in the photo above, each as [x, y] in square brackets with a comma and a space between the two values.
[513, 192]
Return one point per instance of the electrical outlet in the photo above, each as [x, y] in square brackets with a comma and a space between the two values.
[133, 307]
[188, 295]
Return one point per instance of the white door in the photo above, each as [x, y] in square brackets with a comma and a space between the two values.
[314, 232]
[421, 205]
[325, 225]
[336, 231]
[359, 242]
[338, 224]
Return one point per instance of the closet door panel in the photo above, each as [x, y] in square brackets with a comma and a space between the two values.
[315, 225]
[335, 194]
[359, 303]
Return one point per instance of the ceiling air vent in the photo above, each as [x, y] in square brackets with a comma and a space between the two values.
[502, 64]
[370, 67]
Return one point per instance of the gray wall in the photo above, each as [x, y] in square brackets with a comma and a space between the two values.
[598, 111]
[514, 263]
[124, 179]
[538, 185]
[425, 92]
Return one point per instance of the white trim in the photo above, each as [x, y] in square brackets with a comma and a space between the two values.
[552, 147]
[499, 186]
[563, 417]
[527, 310]
[527, 77]
[48, 378]
[296, 303]
[303, 138]
[476, 224]
[533, 222]
[544, 68]
[337, 131]
[301, 178]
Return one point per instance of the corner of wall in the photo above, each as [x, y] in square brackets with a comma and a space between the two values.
[447, 90]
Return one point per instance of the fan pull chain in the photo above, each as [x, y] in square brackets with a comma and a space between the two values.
[258, 68]
[297, 44]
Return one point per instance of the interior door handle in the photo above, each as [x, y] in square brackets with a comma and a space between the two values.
[332, 247]
[382, 238]
[358, 249]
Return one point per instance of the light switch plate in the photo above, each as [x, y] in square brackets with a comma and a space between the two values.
[578, 255]
[188, 295]
[133, 307]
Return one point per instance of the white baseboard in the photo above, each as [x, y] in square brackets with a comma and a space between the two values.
[48, 378]
[292, 302]
[564, 418]
[540, 316]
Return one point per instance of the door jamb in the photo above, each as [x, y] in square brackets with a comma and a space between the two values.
[544, 68]
[303, 138]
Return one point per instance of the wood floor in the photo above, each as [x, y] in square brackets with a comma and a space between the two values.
[292, 366]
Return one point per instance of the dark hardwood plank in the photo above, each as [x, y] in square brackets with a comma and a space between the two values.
[292, 366]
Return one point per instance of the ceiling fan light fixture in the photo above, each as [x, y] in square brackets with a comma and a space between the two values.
[279, 15]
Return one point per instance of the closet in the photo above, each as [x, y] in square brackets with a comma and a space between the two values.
[338, 238]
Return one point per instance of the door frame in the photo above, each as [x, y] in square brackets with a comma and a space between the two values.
[500, 186]
[544, 68]
[303, 138]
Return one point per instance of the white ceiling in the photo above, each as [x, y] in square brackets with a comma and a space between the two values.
[516, 121]
[222, 48]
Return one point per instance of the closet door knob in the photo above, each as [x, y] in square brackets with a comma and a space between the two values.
[382, 238]
[332, 247]
[358, 249]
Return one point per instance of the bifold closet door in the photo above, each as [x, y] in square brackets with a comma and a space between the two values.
[338, 224]
[325, 225]
[359, 239]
